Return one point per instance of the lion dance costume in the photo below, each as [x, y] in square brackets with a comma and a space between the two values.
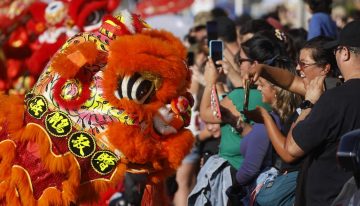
[31, 31]
[109, 102]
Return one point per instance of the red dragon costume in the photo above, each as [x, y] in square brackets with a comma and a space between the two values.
[32, 31]
[108, 102]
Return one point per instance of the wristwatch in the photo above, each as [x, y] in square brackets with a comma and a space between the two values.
[306, 104]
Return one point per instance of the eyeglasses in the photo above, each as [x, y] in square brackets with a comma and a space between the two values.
[337, 49]
[304, 65]
[239, 61]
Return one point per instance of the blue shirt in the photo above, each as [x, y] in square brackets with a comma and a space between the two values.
[257, 152]
[321, 24]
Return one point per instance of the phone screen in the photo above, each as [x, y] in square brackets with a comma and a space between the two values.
[216, 51]
[190, 58]
[211, 28]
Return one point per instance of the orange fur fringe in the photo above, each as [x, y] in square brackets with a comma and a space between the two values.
[15, 186]
[73, 58]
[158, 52]
[165, 155]
[162, 54]
[12, 112]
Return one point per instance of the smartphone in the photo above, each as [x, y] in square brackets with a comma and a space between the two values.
[190, 58]
[216, 48]
[246, 95]
[211, 29]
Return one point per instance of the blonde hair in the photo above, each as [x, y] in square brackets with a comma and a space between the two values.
[286, 103]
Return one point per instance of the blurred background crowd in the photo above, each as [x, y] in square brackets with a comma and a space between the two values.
[30, 27]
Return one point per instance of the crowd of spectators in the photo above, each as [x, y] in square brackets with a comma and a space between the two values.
[303, 97]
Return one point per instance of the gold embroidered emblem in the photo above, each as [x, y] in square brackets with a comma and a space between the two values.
[81, 144]
[104, 162]
[58, 124]
[37, 106]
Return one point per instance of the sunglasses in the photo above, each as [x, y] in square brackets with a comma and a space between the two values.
[304, 65]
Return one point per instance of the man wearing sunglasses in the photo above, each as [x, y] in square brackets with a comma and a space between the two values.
[320, 126]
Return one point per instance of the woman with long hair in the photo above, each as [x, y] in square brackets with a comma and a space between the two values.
[255, 155]
[255, 146]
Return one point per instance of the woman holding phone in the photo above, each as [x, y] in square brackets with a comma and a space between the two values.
[315, 62]
[255, 146]
[234, 130]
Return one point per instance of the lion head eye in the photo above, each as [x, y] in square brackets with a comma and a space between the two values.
[135, 88]
[93, 21]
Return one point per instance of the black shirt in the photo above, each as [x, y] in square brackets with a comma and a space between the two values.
[336, 113]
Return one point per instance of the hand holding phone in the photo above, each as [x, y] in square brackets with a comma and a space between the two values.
[216, 51]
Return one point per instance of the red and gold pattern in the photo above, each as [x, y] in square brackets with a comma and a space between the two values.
[62, 147]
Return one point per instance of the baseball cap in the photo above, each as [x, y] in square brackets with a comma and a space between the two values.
[348, 36]
[201, 18]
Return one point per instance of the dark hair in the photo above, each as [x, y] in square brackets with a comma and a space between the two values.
[218, 12]
[284, 41]
[355, 50]
[254, 26]
[264, 48]
[260, 49]
[321, 55]
[297, 38]
[319, 5]
[242, 20]
[226, 29]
